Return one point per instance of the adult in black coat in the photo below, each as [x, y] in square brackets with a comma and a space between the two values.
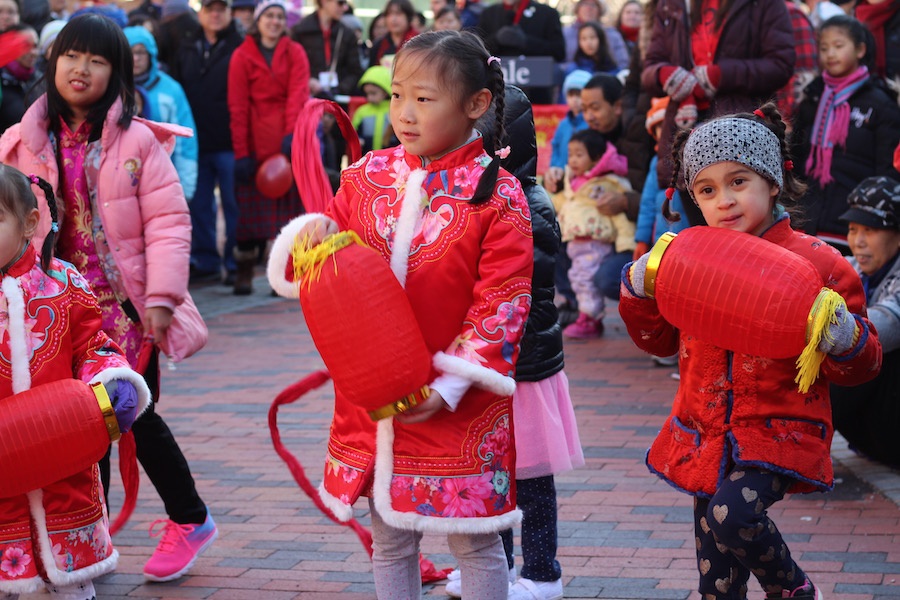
[524, 28]
[201, 67]
[330, 46]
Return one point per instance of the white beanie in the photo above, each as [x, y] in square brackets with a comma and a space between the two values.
[265, 4]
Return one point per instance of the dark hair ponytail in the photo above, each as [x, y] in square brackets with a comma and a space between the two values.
[695, 217]
[50, 240]
[497, 86]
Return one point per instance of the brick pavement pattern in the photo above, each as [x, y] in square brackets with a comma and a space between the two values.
[622, 532]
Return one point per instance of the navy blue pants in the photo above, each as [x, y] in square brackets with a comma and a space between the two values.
[735, 537]
[537, 500]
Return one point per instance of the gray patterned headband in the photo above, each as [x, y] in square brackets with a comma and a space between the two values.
[733, 139]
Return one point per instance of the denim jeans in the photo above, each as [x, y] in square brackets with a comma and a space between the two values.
[212, 168]
[609, 275]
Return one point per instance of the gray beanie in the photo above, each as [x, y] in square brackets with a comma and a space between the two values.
[733, 139]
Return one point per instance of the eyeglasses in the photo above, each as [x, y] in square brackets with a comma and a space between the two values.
[342, 2]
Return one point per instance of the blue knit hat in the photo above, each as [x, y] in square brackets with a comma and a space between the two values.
[576, 80]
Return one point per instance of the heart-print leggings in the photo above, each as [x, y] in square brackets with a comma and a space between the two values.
[735, 537]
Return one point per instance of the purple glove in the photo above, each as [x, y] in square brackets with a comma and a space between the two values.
[124, 398]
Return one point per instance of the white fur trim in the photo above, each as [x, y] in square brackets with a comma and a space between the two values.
[21, 586]
[486, 379]
[341, 510]
[132, 377]
[281, 252]
[381, 496]
[15, 300]
[108, 564]
[410, 208]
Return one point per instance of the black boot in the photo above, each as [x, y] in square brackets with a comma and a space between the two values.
[243, 280]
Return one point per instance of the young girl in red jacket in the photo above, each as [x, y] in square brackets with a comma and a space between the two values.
[126, 227]
[57, 536]
[741, 434]
[456, 231]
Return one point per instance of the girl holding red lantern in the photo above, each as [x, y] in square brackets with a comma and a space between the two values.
[56, 536]
[741, 434]
[456, 231]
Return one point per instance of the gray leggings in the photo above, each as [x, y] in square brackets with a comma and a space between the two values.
[395, 563]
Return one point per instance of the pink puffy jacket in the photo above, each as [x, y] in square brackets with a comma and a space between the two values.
[143, 209]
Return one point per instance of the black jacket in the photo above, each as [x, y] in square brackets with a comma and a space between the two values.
[541, 352]
[871, 138]
[345, 51]
[202, 71]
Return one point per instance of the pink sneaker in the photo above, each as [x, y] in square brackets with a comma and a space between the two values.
[179, 548]
[584, 327]
[807, 591]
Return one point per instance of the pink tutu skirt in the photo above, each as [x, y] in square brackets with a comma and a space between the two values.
[545, 430]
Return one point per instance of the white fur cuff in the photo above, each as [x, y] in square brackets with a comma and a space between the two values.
[131, 376]
[486, 379]
[281, 252]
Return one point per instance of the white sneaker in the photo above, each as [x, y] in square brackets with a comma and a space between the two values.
[526, 589]
[454, 584]
[454, 587]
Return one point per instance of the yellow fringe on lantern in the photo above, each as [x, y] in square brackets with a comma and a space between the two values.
[821, 315]
[308, 261]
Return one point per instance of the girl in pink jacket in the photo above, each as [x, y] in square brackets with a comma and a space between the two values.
[125, 225]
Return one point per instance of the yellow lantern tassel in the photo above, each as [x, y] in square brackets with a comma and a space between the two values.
[308, 261]
[821, 315]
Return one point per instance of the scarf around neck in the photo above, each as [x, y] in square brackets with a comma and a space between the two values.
[832, 122]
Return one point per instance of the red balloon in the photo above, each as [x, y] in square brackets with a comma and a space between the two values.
[273, 178]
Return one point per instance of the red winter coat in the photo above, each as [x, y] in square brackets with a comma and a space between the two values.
[51, 331]
[746, 410]
[755, 53]
[264, 101]
[469, 284]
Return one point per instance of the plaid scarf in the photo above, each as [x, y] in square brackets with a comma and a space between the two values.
[832, 122]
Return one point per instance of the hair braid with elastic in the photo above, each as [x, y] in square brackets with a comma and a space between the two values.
[497, 87]
[50, 240]
[681, 137]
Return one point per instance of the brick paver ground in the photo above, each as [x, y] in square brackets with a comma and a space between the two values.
[622, 532]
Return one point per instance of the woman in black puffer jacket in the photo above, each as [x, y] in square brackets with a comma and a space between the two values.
[542, 409]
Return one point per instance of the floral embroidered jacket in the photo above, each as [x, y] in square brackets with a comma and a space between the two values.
[467, 271]
[739, 409]
[61, 531]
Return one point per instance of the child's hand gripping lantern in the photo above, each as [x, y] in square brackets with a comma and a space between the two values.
[362, 324]
[742, 293]
[53, 431]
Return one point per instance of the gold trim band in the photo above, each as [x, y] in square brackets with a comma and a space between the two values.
[402, 405]
[106, 407]
[656, 254]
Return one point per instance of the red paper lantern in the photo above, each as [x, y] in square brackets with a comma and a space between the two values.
[273, 178]
[52, 431]
[363, 325]
[739, 292]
